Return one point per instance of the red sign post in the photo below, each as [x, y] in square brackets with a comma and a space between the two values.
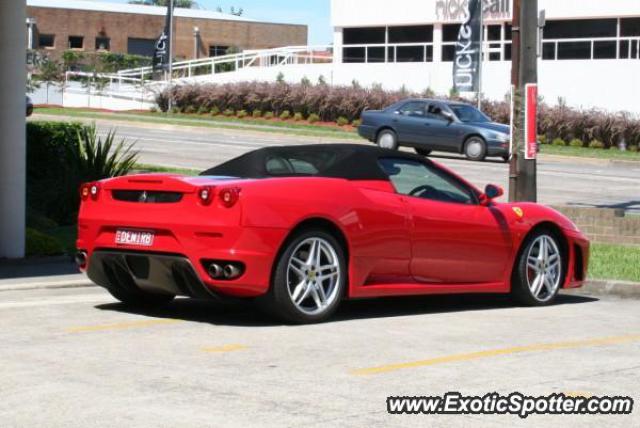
[531, 121]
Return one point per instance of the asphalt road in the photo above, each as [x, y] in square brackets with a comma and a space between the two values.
[568, 181]
[76, 358]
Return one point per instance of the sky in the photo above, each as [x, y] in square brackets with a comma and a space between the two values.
[314, 13]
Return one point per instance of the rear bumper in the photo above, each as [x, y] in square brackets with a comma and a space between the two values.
[367, 132]
[179, 253]
[151, 272]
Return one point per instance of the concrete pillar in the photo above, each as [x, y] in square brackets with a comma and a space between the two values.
[337, 45]
[12, 128]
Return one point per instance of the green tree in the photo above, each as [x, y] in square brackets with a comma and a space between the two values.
[50, 72]
[233, 11]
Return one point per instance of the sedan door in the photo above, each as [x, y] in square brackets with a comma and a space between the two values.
[454, 239]
[447, 134]
[411, 122]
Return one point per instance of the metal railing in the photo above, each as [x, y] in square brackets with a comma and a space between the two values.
[321, 54]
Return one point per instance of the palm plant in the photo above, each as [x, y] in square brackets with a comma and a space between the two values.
[93, 158]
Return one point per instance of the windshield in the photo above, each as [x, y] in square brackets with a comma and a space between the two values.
[468, 114]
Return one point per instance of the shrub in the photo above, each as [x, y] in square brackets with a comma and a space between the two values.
[595, 144]
[257, 114]
[268, 115]
[241, 114]
[202, 110]
[40, 244]
[298, 117]
[356, 123]
[342, 121]
[175, 110]
[189, 109]
[48, 190]
[313, 118]
[542, 139]
[576, 143]
[153, 110]
[559, 142]
[285, 115]
[633, 149]
[228, 113]
[214, 111]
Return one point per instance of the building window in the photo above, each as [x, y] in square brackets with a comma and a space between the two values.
[604, 49]
[630, 27]
[364, 36]
[47, 41]
[103, 43]
[411, 34]
[497, 43]
[393, 44]
[574, 50]
[218, 50]
[350, 55]
[581, 29]
[142, 47]
[76, 42]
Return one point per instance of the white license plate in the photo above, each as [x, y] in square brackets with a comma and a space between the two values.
[134, 237]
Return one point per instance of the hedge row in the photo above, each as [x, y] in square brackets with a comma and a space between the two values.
[333, 102]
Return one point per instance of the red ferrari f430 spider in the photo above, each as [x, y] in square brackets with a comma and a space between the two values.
[300, 228]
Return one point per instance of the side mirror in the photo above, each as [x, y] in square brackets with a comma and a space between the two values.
[491, 192]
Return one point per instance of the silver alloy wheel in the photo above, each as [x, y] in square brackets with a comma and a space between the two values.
[313, 275]
[474, 148]
[387, 141]
[544, 268]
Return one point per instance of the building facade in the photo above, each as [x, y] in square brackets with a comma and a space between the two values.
[585, 44]
[90, 26]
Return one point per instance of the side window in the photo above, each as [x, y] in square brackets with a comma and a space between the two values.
[414, 108]
[434, 111]
[419, 180]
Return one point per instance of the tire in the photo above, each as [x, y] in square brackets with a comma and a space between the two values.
[141, 298]
[475, 149]
[387, 139]
[422, 152]
[506, 158]
[540, 270]
[296, 295]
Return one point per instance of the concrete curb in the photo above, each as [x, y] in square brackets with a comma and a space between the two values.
[621, 289]
[50, 285]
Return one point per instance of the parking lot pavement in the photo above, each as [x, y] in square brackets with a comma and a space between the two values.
[75, 358]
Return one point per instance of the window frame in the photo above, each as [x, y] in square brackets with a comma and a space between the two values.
[75, 38]
[53, 41]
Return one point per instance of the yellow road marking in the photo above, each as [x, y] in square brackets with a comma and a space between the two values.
[499, 352]
[121, 326]
[224, 348]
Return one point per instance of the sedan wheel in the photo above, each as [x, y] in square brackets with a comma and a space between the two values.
[422, 152]
[309, 279]
[540, 271]
[387, 139]
[475, 149]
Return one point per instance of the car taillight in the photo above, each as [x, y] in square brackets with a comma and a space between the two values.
[90, 190]
[229, 197]
[205, 194]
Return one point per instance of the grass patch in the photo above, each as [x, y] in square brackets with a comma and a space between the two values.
[583, 152]
[144, 168]
[614, 262]
[219, 122]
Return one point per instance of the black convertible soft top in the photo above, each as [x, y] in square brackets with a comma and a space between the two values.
[348, 161]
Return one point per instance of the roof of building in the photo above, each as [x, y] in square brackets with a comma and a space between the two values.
[98, 6]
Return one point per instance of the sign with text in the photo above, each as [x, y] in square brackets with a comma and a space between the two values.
[162, 51]
[466, 64]
[531, 121]
[456, 10]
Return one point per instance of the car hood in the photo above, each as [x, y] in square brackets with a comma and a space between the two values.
[492, 126]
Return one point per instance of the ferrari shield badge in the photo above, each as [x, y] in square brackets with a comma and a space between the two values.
[518, 211]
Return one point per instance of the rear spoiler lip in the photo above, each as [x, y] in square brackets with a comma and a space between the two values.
[165, 182]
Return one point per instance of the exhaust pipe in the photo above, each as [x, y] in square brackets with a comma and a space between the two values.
[231, 271]
[81, 259]
[215, 271]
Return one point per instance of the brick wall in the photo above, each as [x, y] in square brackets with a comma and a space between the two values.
[119, 27]
[605, 226]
